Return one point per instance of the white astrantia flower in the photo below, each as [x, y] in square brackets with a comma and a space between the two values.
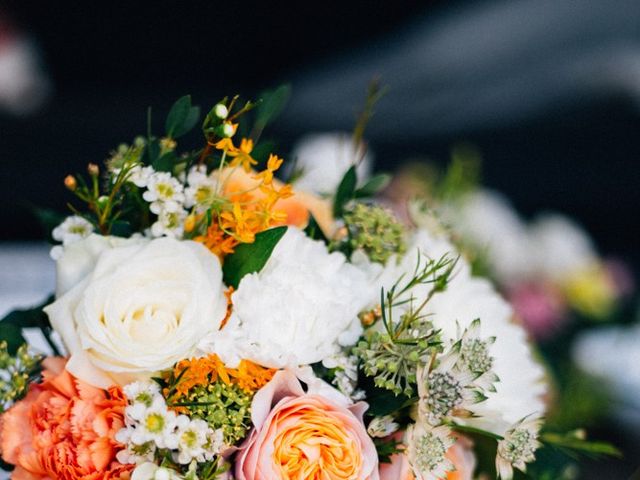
[446, 392]
[164, 192]
[71, 230]
[518, 447]
[466, 298]
[324, 158]
[426, 451]
[297, 310]
[474, 355]
[169, 224]
[381, 427]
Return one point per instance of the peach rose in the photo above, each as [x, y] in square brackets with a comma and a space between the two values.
[299, 435]
[64, 429]
[460, 454]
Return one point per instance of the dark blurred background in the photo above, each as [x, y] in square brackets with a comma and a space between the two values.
[547, 90]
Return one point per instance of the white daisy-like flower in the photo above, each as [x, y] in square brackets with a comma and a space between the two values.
[201, 189]
[518, 447]
[139, 175]
[158, 426]
[132, 453]
[193, 436]
[324, 158]
[381, 427]
[142, 392]
[299, 309]
[169, 224]
[72, 229]
[426, 451]
[164, 192]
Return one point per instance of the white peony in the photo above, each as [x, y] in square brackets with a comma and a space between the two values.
[297, 309]
[324, 158]
[142, 308]
[521, 387]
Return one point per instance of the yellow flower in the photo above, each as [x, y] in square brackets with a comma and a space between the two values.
[242, 156]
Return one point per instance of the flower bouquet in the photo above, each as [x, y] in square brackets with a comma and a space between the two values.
[212, 322]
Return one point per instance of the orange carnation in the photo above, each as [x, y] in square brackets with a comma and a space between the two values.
[64, 429]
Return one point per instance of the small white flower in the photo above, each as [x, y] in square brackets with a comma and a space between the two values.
[201, 187]
[345, 375]
[142, 392]
[132, 453]
[169, 224]
[164, 192]
[151, 471]
[381, 427]
[518, 447]
[73, 229]
[426, 450]
[192, 439]
[140, 175]
[215, 444]
[157, 425]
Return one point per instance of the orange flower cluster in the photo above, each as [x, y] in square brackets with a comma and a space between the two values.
[202, 371]
[64, 429]
[250, 209]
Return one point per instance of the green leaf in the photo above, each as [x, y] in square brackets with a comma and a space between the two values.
[273, 102]
[314, 231]
[12, 334]
[165, 162]
[182, 117]
[251, 257]
[374, 185]
[29, 317]
[49, 219]
[574, 442]
[346, 191]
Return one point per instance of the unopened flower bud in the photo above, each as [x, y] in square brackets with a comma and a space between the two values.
[190, 223]
[70, 182]
[93, 169]
[225, 130]
[103, 201]
[221, 111]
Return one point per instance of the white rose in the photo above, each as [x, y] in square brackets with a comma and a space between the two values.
[141, 309]
[79, 258]
[297, 309]
[324, 158]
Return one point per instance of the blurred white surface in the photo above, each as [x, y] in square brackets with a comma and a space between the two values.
[27, 275]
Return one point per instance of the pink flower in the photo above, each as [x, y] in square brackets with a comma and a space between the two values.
[540, 307]
[460, 454]
[300, 435]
